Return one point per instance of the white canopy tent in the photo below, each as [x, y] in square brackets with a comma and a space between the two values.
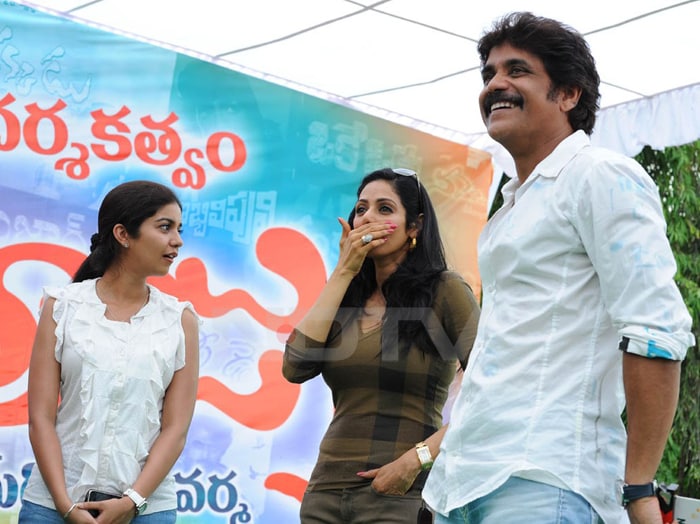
[415, 62]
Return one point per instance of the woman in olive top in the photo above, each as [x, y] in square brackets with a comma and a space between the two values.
[389, 333]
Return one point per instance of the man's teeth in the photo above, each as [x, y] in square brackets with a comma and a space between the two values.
[501, 105]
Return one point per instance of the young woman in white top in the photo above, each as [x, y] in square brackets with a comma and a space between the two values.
[113, 373]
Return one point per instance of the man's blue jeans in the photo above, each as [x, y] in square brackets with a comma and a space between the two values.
[520, 500]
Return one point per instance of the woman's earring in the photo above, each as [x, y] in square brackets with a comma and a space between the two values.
[413, 243]
[126, 244]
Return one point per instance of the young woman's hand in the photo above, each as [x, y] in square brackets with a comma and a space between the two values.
[113, 511]
[80, 516]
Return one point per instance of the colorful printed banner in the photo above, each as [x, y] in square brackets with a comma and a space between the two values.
[262, 170]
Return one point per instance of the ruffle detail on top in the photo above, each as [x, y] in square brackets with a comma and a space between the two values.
[119, 373]
[165, 315]
[59, 315]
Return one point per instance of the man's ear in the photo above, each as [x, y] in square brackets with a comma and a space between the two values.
[569, 97]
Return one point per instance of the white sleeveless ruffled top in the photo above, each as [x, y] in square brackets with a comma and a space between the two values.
[113, 380]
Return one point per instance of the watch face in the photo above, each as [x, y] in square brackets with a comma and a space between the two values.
[621, 494]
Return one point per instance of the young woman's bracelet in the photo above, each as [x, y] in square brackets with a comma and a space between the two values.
[67, 513]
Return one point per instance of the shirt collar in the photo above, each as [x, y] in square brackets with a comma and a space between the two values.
[552, 164]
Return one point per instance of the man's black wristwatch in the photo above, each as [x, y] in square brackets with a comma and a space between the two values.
[631, 492]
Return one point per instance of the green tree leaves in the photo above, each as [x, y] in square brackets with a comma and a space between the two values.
[676, 171]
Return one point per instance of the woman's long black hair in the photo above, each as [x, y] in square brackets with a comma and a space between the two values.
[410, 291]
[128, 204]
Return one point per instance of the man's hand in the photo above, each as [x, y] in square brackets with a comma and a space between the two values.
[645, 511]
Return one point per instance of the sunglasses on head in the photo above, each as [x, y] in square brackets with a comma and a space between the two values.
[411, 173]
[405, 172]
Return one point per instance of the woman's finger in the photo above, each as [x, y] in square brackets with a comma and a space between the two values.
[345, 229]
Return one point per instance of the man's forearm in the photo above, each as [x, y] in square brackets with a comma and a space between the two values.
[651, 390]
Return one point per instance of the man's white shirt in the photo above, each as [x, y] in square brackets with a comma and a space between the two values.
[576, 258]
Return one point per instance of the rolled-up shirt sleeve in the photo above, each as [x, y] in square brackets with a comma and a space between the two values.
[621, 223]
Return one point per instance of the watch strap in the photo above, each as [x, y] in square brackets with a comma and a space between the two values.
[632, 492]
[137, 499]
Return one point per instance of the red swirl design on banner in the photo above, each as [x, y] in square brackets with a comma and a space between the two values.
[287, 484]
[17, 337]
[284, 251]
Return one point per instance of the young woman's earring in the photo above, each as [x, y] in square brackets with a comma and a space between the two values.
[126, 244]
[413, 244]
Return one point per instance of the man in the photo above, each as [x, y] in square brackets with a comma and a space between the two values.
[580, 310]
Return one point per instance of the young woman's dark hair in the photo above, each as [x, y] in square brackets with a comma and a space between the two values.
[128, 204]
[411, 289]
[564, 52]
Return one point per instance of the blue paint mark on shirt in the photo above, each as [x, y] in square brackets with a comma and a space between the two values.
[655, 351]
